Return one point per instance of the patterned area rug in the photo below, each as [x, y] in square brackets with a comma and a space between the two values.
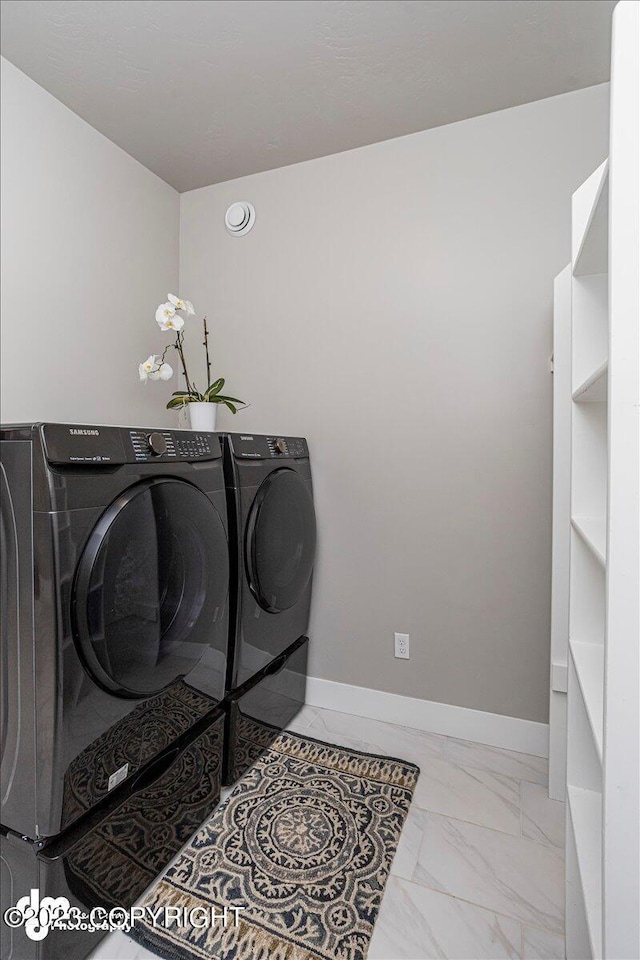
[304, 844]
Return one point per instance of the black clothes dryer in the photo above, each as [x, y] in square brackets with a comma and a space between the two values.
[114, 591]
[272, 548]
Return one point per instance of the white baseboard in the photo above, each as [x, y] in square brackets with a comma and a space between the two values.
[510, 733]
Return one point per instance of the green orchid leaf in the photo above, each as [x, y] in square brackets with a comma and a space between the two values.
[215, 388]
[181, 399]
[222, 398]
[231, 406]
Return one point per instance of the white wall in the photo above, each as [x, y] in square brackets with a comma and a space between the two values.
[393, 304]
[89, 248]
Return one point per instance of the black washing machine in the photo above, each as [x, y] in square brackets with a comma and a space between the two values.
[114, 590]
[272, 548]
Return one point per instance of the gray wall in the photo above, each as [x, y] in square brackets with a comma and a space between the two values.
[89, 249]
[393, 304]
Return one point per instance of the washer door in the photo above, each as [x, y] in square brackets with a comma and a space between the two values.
[280, 541]
[151, 584]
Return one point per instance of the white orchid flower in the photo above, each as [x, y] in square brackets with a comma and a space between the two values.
[167, 319]
[165, 372]
[174, 323]
[164, 312]
[179, 304]
[149, 369]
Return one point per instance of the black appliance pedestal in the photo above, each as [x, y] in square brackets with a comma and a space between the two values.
[262, 708]
[109, 858]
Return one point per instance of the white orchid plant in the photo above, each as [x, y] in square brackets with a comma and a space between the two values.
[155, 367]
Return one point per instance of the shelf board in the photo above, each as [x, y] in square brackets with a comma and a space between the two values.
[559, 670]
[593, 388]
[585, 809]
[588, 659]
[593, 531]
[590, 224]
[590, 326]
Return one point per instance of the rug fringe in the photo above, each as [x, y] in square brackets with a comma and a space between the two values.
[244, 942]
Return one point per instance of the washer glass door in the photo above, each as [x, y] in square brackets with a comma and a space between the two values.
[280, 541]
[151, 585]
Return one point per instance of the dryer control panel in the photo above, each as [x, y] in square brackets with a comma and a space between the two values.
[254, 447]
[174, 445]
[97, 445]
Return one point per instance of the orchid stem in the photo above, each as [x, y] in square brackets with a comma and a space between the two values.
[206, 350]
[178, 346]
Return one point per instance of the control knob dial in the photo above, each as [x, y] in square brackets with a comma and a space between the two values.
[280, 445]
[157, 444]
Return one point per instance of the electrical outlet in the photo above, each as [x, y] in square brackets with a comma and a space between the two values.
[401, 650]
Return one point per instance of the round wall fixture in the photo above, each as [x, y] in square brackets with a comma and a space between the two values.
[240, 218]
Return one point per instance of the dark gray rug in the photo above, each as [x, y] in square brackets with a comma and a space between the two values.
[304, 844]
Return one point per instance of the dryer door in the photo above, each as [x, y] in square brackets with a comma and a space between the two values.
[150, 586]
[280, 541]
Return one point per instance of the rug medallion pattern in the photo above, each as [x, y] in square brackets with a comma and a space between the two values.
[304, 844]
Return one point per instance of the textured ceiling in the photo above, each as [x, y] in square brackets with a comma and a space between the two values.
[202, 91]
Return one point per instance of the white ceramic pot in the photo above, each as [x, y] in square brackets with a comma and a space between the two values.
[202, 416]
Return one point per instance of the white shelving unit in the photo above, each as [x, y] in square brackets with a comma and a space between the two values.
[588, 551]
[603, 668]
[561, 534]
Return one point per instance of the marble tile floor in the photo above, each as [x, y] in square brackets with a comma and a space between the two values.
[479, 872]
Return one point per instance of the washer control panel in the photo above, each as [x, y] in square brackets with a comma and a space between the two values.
[254, 447]
[105, 446]
[174, 445]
